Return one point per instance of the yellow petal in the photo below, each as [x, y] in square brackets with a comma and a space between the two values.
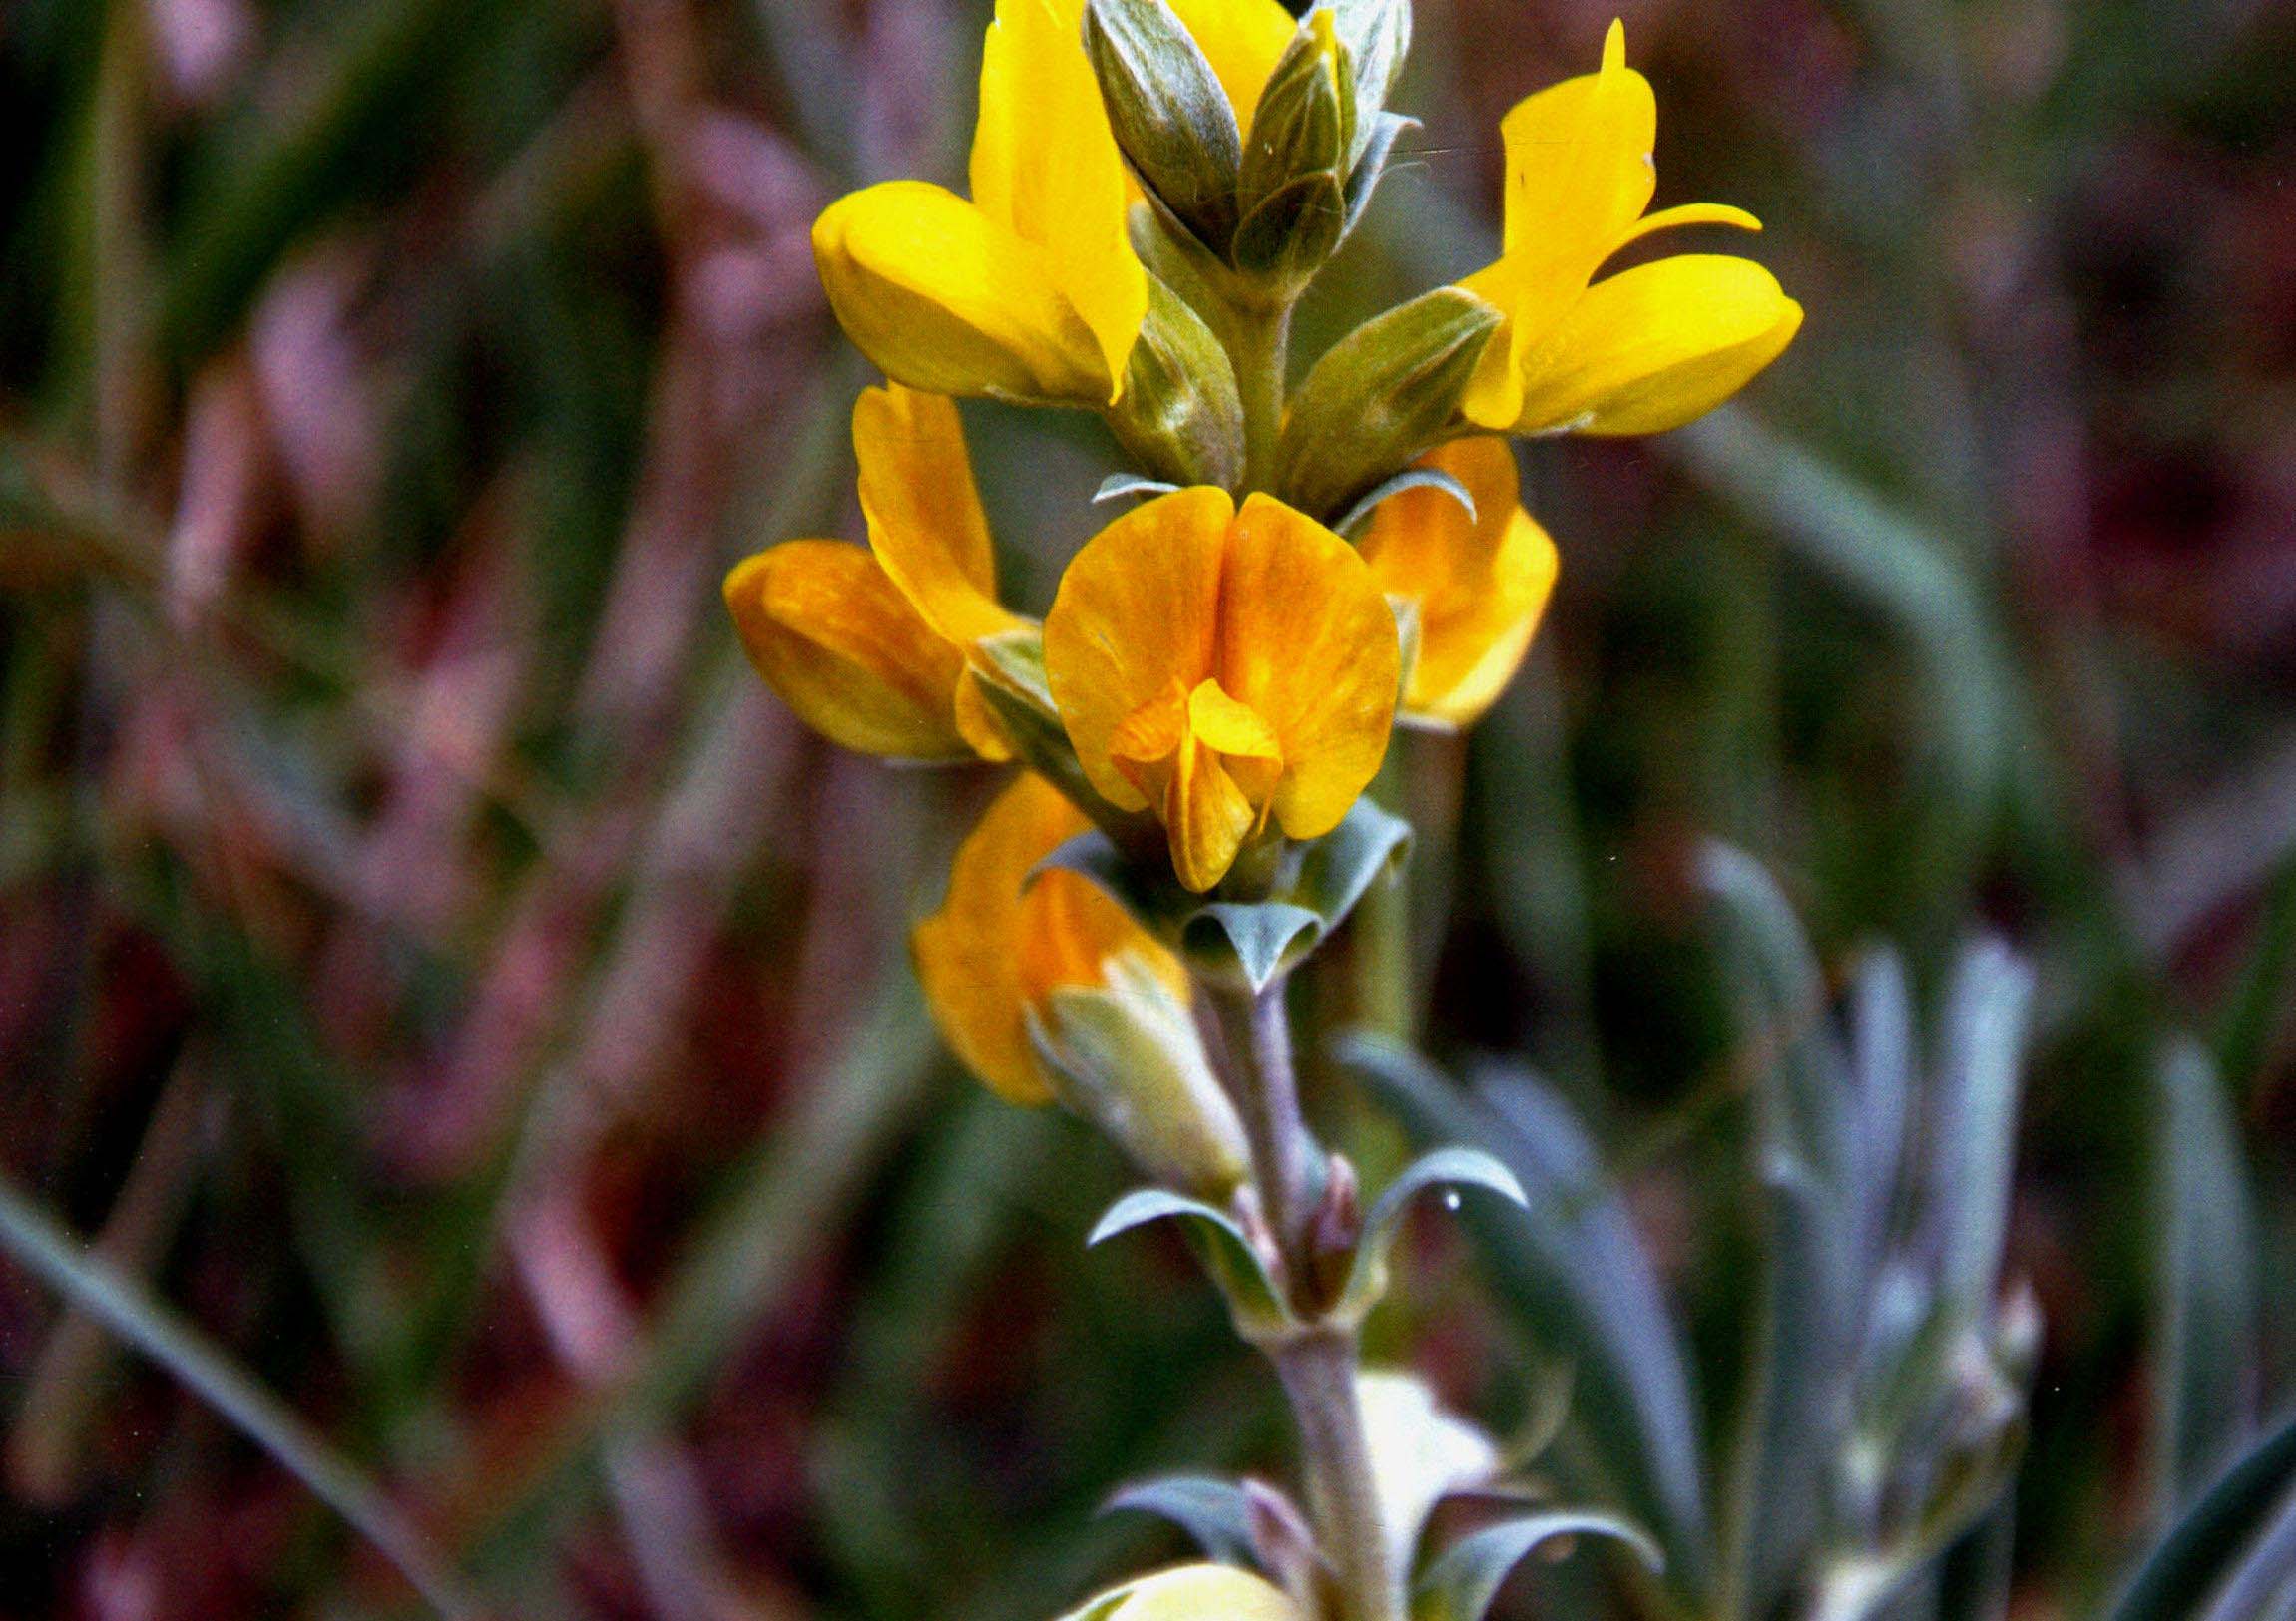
[1242, 40]
[924, 512]
[1579, 160]
[977, 723]
[1481, 585]
[1578, 174]
[1689, 214]
[1137, 610]
[967, 953]
[1652, 348]
[1069, 928]
[1206, 814]
[945, 300]
[1307, 641]
[829, 629]
[1046, 167]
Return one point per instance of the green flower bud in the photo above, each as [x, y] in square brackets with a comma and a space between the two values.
[1170, 114]
[1377, 35]
[1382, 395]
[1180, 416]
[1292, 197]
[1125, 1054]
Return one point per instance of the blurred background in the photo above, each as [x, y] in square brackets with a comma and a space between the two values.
[457, 1020]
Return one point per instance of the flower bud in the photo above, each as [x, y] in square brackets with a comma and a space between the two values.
[1125, 1054]
[1170, 114]
[1292, 194]
[1180, 416]
[1381, 396]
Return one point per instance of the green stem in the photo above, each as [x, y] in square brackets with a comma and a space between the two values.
[1260, 347]
[1317, 1369]
[1316, 1365]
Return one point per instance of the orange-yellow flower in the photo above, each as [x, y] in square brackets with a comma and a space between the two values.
[868, 646]
[1046, 989]
[1222, 668]
[1030, 290]
[1480, 585]
[1639, 352]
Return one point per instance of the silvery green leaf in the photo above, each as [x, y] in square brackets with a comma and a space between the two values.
[1216, 1512]
[1450, 1168]
[1807, 1152]
[1117, 486]
[1411, 478]
[2204, 1278]
[1884, 1062]
[1170, 114]
[1573, 1270]
[2205, 1549]
[1420, 1454]
[1380, 397]
[1290, 234]
[1972, 1131]
[1252, 941]
[1219, 1239]
[1459, 1585]
[1369, 844]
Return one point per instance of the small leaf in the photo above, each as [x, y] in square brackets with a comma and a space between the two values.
[1252, 941]
[2205, 1279]
[1973, 1131]
[1444, 1167]
[1370, 843]
[1219, 1241]
[2206, 1548]
[1461, 1584]
[1411, 478]
[1216, 1512]
[1117, 486]
[1573, 1271]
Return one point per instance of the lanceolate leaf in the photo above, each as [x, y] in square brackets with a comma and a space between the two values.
[1972, 1130]
[1227, 1252]
[1216, 1512]
[1461, 1584]
[2204, 1549]
[1253, 941]
[1444, 1167]
[1571, 1268]
[2204, 1280]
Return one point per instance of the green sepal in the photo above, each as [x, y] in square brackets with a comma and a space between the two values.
[1441, 1167]
[1170, 114]
[1220, 1242]
[1380, 397]
[1215, 1513]
[1377, 35]
[1377, 135]
[1459, 1585]
[1291, 197]
[1180, 415]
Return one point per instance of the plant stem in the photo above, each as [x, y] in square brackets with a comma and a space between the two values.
[1259, 344]
[1317, 1369]
[1317, 1364]
[1256, 1032]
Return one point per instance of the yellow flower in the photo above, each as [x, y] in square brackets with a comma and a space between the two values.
[1242, 40]
[1641, 351]
[996, 948]
[1030, 292]
[1192, 1593]
[1480, 583]
[868, 646]
[1220, 667]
